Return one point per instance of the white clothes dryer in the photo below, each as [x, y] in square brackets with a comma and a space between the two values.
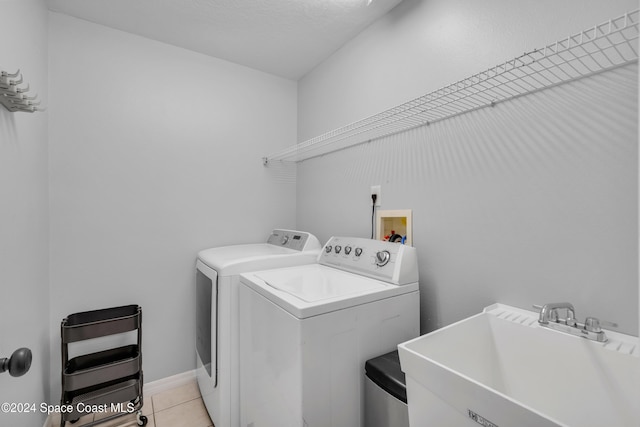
[308, 330]
[217, 278]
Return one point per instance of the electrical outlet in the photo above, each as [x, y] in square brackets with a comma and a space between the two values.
[377, 190]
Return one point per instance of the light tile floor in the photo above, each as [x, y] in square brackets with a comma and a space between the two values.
[181, 406]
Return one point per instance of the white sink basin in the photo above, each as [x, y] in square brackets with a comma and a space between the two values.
[500, 368]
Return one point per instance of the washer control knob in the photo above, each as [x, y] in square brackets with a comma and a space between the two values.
[285, 239]
[382, 258]
[327, 249]
[358, 251]
[338, 249]
[347, 250]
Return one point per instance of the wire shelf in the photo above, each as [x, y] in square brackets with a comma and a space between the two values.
[606, 46]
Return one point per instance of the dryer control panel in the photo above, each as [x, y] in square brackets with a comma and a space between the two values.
[391, 262]
[296, 240]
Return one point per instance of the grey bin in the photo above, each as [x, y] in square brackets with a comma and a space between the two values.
[385, 392]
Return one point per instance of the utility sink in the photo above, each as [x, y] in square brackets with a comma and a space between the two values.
[500, 368]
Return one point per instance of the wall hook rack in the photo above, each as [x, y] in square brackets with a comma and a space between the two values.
[13, 97]
[597, 49]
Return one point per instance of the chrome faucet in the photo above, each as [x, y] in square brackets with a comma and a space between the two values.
[549, 312]
[590, 329]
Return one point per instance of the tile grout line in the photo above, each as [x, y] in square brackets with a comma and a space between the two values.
[178, 404]
[154, 411]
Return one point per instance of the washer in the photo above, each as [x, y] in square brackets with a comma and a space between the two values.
[307, 332]
[217, 278]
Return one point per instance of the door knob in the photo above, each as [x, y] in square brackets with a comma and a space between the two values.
[18, 364]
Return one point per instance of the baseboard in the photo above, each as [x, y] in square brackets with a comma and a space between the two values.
[154, 387]
[164, 384]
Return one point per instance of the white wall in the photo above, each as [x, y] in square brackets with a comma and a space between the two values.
[423, 45]
[24, 227]
[533, 201]
[155, 154]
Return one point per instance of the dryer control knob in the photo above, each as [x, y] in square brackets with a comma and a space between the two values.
[382, 258]
[347, 250]
[358, 251]
[338, 249]
[327, 249]
[285, 239]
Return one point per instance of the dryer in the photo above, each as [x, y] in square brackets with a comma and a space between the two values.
[307, 332]
[217, 278]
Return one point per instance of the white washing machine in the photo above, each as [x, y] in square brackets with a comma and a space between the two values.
[307, 332]
[217, 279]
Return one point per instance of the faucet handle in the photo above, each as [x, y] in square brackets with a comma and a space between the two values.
[592, 324]
[571, 320]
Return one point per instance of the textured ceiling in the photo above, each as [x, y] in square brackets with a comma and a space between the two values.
[283, 37]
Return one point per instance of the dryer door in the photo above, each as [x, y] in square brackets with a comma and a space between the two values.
[207, 319]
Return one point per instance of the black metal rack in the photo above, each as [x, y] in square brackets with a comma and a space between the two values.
[108, 379]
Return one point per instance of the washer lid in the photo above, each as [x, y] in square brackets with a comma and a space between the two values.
[315, 284]
[230, 260]
[313, 289]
